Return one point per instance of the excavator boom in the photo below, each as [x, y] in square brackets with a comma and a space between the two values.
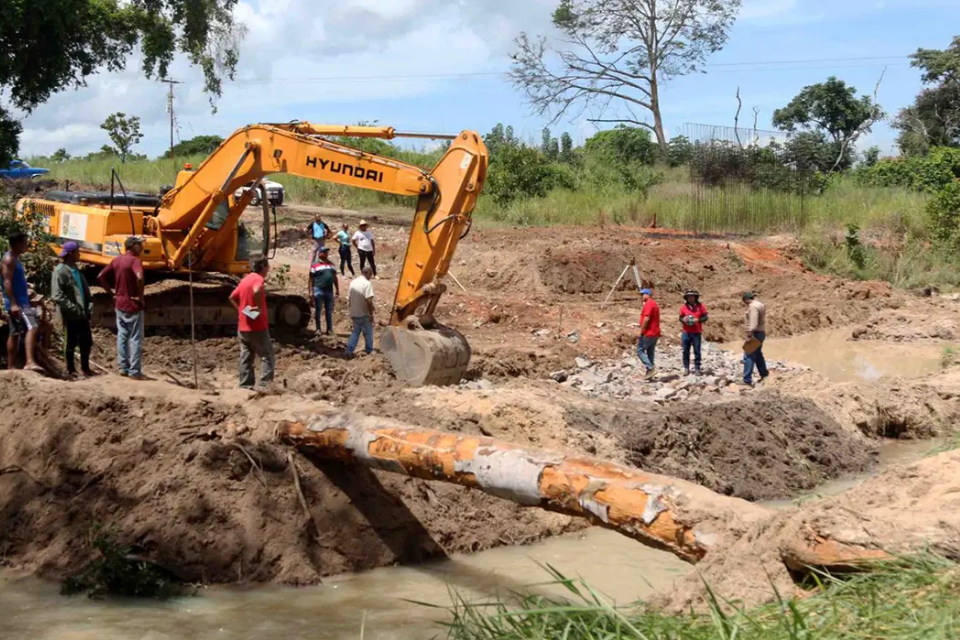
[196, 225]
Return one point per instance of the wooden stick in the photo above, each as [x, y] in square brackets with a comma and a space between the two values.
[449, 273]
[615, 284]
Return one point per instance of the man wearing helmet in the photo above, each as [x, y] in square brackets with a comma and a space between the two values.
[692, 316]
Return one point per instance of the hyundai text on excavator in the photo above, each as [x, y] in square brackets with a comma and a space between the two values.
[194, 229]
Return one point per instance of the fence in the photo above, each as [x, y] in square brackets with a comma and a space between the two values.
[746, 180]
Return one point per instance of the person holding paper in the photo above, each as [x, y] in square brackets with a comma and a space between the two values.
[250, 300]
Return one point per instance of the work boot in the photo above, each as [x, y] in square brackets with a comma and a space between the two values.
[686, 371]
[650, 373]
[697, 372]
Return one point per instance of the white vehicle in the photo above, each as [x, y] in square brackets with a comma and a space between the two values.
[274, 192]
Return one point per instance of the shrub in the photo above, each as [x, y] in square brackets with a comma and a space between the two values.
[623, 144]
[944, 212]
[519, 171]
[928, 173]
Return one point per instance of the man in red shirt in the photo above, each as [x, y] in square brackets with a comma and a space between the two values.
[649, 331]
[692, 316]
[123, 280]
[250, 300]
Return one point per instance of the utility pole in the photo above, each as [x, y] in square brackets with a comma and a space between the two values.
[170, 84]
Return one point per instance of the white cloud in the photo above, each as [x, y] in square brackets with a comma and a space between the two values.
[290, 45]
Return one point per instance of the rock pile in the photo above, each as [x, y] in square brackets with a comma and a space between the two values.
[625, 378]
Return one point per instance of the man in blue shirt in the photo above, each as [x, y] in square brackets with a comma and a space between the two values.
[319, 231]
[16, 302]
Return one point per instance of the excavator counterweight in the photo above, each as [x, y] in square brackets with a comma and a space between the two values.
[194, 228]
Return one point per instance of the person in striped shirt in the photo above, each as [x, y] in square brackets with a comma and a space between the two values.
[324, 287]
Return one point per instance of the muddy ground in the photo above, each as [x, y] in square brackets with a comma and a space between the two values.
[196, 482]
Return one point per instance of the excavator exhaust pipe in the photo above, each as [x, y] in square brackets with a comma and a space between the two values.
[426, 356]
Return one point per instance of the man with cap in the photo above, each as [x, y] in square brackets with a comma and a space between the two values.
[366, 247]
[649, 331]
[123, 280]
[324, 288]
[70, 292]
[756, 328]
[692, 316]
[24, 321]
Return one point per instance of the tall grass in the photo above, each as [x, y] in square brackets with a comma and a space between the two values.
[674, 203]
[915, 598]
[681, 205]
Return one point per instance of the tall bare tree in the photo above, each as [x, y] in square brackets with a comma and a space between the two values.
[613, 56]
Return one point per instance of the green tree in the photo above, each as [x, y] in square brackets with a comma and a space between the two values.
[566, 148]
[615, 54]
[623, 144]
[831, 108]
[680, 151]
[60, 155]
[195, 146]
[124, 132]
[53, 45]
[933, 120]
[500, 137]
[871, 156]
[549, 146]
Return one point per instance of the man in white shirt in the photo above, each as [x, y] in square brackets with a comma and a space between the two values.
[366, 246]
[361, 311]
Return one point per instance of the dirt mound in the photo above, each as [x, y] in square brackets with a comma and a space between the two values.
[200, 487]
[756, 448]
[906, 509]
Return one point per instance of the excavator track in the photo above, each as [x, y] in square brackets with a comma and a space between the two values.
[168, 305]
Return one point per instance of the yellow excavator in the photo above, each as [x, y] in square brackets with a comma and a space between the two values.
[194, 229]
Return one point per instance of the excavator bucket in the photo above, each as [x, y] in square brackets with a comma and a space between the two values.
[426, 356]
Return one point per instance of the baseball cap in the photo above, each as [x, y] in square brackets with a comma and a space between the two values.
[68, 247]
[362, 222]
[132, 240]
[323, 250]
[646, 292]
[748, 295]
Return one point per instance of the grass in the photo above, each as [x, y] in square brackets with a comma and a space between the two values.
[909, 599]
[892, 222]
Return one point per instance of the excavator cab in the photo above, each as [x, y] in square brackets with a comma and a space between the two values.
[194, 228]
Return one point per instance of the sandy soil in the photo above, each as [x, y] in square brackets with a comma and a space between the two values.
[172, 466]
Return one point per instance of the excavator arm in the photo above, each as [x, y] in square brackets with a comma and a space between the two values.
[197, 218]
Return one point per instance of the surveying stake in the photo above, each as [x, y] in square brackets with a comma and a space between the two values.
[636, 278]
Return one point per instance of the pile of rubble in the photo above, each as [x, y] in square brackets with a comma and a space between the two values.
[625, 378]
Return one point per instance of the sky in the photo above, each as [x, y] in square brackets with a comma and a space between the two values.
[438, 66]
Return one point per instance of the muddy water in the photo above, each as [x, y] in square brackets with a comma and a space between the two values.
[621, 568]
[834, 355]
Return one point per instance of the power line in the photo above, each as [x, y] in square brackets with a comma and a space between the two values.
[757, 65]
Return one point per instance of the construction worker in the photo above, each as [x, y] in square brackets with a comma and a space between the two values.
[361, 311]
[23, 317]
[756, 318]
[324, 288]
[366, 246]
[123, 280]
[319, 231]
[253, 329]
[692, 316]
[649, 331]
[70, 292]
